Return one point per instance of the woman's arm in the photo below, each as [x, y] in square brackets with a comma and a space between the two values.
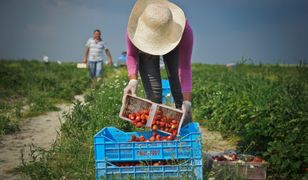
[185, 72]
[132, 59]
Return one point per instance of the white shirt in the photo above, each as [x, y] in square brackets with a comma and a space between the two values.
[96, 52]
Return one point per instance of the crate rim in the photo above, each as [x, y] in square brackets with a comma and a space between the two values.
[188, 134]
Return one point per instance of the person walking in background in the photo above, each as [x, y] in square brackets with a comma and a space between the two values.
[94, 55]
[159, 28]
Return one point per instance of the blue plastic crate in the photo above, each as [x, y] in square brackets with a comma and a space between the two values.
[165, 84]
[189, 169]
[111, 144]
[166, 92]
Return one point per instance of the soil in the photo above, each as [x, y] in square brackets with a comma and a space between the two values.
[214, 142]
[40, 131]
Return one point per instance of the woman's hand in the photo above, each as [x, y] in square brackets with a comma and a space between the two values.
[186, 108]
[131, 87]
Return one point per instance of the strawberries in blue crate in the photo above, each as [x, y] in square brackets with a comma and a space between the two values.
[154, 137]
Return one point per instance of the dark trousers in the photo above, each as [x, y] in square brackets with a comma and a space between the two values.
[149, 70]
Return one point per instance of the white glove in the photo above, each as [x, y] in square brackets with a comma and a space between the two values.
[186, 108]
[131, 87]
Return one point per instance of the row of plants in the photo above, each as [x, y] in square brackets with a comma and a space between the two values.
[29, 88]
[264, 106]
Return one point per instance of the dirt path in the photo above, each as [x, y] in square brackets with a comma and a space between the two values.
[213, 141]
[40, 131]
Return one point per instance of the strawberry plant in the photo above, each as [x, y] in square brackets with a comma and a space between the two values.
[265, 106]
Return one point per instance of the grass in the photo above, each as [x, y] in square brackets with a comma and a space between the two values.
[30, 88]
[264, 106]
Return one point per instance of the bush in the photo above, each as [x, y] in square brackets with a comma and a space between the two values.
[265, 106]
[7, 125]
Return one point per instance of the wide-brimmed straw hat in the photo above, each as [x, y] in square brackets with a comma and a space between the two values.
[156, 26]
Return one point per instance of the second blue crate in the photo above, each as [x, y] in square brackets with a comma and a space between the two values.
[166, 92]
[189, 169]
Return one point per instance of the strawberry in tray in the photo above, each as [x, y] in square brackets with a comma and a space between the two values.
[165, 123]
[139, 118]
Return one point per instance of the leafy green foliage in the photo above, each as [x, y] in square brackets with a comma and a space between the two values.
[266, 106]
[29, 88]
[6, 125]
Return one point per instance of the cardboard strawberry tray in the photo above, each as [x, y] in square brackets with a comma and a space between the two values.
[237, 165]
[167, 120]
[144, 113]
[137, 111]
[81, 65]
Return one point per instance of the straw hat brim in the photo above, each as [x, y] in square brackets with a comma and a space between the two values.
[149, 40]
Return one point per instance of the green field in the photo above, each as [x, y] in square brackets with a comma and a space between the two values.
[29, 88]
[264, 107]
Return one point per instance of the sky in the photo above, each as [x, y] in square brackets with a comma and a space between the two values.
[225, 31]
